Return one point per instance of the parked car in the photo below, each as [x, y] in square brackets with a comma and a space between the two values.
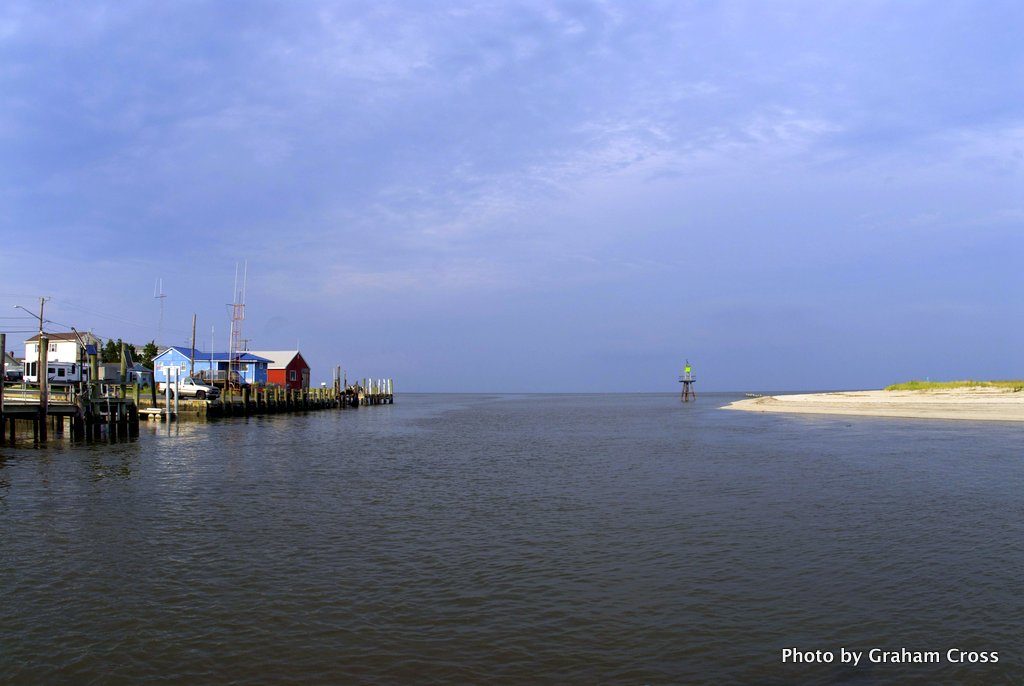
[192, 388]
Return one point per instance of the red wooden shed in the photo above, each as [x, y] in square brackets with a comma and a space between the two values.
[287, 368]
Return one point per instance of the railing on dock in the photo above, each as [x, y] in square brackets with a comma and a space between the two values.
[88, 411]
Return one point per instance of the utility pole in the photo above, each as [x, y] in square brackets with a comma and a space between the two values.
[44, 344]
[83, 360]
[158, 293]
[192, 353]
[123, 371]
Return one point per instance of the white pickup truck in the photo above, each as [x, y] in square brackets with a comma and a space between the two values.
[191, 388]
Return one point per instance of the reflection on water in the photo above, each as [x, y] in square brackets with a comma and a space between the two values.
[511, 539]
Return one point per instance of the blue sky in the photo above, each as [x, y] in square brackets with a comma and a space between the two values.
[528, 196]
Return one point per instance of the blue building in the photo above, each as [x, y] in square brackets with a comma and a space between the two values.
[252, 368]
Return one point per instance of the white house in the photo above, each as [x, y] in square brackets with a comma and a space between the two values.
[64, 347]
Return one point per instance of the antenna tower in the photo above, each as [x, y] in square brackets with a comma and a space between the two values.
[158, 293]
[237, 317]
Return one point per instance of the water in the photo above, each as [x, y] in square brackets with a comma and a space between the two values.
[513, 539]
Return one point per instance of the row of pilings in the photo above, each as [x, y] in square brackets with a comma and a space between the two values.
[271, 400]
[104, 418]
[116, 416]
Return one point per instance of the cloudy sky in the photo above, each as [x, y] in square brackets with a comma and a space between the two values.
[528, 196]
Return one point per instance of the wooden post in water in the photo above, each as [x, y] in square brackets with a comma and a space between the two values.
[94, 376]
[78, 422]
[111, 419]
[123, 371]
[44, 345]
[133, 419]
[3, 380]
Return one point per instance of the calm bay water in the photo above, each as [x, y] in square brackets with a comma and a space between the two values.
[514, 539]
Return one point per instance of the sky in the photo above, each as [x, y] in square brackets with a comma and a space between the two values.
[526, 196]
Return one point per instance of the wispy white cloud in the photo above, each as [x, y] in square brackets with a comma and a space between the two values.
[406, 153]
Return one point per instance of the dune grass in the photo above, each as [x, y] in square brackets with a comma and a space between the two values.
[1015, 385]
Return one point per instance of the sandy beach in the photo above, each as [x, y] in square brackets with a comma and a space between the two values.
[975, 404]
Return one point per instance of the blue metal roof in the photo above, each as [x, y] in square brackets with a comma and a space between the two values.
[215, 357]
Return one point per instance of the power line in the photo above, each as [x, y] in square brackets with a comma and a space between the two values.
[101, 314]
[110, 316]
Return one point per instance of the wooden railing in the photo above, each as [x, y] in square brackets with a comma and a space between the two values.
[22, 395]
[30, 396]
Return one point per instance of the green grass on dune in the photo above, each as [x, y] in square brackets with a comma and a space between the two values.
[1015, 385]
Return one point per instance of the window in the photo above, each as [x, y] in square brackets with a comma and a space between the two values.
[35, 347]
[291, 375]
[61, 371]
[53, 347]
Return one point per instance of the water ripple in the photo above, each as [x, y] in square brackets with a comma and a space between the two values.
[519, 539]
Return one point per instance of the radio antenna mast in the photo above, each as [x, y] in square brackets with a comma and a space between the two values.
[158, 293]
[237, 317]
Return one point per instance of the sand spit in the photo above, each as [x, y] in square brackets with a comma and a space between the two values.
[975, 404]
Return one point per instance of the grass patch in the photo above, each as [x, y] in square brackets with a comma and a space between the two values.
[1015, 385]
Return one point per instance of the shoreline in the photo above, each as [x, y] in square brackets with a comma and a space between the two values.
[968, 403]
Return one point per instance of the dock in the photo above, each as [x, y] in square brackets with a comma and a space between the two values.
[95, 412]
[91, 408]
[271, 400]
[86, 416]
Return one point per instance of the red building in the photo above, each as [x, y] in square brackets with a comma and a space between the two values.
[287, 368]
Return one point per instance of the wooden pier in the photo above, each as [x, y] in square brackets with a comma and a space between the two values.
[86, 417]
[271, 399]
[79, 407]
[113, 417]
[91, 410]
[114, 412]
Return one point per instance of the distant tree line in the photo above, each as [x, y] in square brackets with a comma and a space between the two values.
[111, 352]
